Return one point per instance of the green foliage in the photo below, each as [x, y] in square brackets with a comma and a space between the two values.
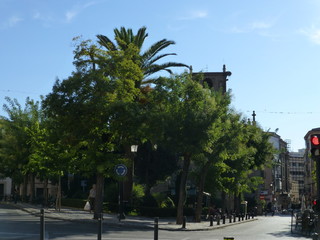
[17, 149]
[138, 194]
[163, 200]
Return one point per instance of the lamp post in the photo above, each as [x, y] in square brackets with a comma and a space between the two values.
[122, 170]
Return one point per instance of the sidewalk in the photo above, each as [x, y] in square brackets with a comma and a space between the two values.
[70, 214]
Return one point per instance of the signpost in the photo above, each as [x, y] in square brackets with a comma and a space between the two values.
[121, 171]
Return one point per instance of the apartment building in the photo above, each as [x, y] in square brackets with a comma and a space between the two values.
[297, 174]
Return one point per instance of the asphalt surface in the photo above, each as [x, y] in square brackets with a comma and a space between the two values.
[72, 214]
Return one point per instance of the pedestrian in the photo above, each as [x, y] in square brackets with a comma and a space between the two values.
[15, 196]
[211, 212]
[92, 197]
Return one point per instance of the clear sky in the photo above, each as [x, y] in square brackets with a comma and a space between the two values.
[272, 48]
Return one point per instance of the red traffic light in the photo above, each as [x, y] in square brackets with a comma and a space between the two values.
[314, 202]
[315, 140]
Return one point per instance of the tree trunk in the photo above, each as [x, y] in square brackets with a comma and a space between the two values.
[32, 187]
[201, 183]
[24, 188]
[58, 197]
[182, 188]
[98, 202]
[223, 197]
[45, 193]
[237, 202]
[128, 182]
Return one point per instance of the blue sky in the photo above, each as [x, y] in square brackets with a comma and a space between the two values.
[272, 48]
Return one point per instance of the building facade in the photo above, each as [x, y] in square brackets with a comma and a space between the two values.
[277, 177]
[297, 175]
[215, 80]
[5, 187]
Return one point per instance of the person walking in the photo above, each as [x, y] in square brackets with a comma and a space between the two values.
[92, 197]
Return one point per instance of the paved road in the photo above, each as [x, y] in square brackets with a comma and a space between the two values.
[266, 228]
[17, 224]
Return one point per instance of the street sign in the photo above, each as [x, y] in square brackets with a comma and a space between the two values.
[121, 170]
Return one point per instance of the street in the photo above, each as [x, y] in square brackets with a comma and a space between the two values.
[17, 224]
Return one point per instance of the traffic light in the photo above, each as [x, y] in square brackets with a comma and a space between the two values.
[315, 145]
[315, 206]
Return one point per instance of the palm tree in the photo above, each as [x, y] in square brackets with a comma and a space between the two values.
[148, 58]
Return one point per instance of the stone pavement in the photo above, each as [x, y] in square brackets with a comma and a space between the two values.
[72, 214]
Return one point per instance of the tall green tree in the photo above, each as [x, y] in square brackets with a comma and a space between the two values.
[96, 112]
[250, 151]
[15, 148]
[190, 116]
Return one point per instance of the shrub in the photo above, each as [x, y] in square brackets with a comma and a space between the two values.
[137, 194]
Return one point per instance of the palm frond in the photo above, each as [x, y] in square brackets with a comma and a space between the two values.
[140, 37]
[156, 58]
[165, 66]
[156, 48]
[106, 42]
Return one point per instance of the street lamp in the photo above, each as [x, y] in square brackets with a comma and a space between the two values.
[134, 148]
[122, 170]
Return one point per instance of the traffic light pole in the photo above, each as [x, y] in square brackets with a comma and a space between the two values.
[317, 159]
[314, 141]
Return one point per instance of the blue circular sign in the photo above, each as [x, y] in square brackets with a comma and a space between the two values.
[121, 170]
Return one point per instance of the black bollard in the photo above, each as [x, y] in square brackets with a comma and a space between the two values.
[184, 222]
[230, 218]
[156, 228]
[100, 218]
[218, 220]
[211, 220]
[239, 218]
[42, 224]
[223, 219]
[234, 218]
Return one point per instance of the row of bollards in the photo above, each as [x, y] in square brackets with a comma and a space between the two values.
[232, 218]
[223, 218]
